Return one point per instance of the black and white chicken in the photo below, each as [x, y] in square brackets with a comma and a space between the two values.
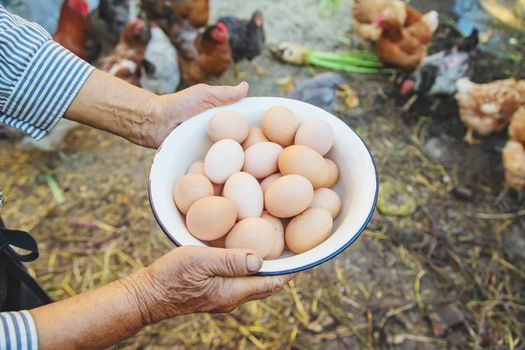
[437, 74]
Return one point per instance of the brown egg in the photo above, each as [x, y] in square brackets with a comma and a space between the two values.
[308, 230]
[196, 168]
[210, 218]
[302, 160]
[255, 135]
[217, 189]
[244, 190]
[278, 247]
[189, 189]
[260, 159]
[228, 125]
[333, 173]
[256, 234]
[267, 182]
[327, 199]
[316, 134]
[224, 158]
[288, 196]
[279, 125]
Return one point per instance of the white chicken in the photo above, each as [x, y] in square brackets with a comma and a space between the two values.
[160, 69]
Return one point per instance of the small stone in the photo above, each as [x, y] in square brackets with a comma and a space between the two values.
[436, 149]
[463, 193]
[450, 314]
[453, 214]
[439, 327]
[456, 339]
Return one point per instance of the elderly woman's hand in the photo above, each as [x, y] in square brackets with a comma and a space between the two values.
[110, 104]
[199, 279]
[168, 111]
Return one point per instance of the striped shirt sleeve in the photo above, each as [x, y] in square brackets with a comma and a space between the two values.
[38, 78]
[17, 331]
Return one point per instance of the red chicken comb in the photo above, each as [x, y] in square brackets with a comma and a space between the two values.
[80, 6]
[222, 27]
[154, 24]
[407, 86]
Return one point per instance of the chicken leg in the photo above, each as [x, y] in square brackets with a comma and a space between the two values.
[258, 69]
[238, 74]
[469, 137]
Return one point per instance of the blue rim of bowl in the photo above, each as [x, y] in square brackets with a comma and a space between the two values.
[310, 265]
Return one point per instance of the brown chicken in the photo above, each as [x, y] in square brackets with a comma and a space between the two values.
[514, 151]
[486, 108]
[74, 30]
[208, 55]
[125, 60]
[365, 13]
[404, 45]
[196, 12]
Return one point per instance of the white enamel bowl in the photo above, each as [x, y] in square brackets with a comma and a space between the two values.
[357, 184]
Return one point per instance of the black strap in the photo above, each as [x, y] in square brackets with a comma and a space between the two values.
[18, 290]
[19, 239]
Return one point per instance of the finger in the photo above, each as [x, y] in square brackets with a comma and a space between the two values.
[231, 262]
[247, 287]
[224, 95]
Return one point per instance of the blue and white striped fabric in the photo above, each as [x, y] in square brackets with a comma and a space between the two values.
[38, 78]
[17, 331]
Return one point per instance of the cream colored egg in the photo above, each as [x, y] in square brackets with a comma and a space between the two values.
[256, 234]
[302, 160]
[333, 173]
[196, 168]
[228, 125]
[316, 134]
[255, 135]
[267, 182]
[279, 125]
[210, 218]
[224, 158]
[288, 196]
[308, 230]
[327, 199]
[260, 159]
[244, 190]
[189, 189]
[277, 224]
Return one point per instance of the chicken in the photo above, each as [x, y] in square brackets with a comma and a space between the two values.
[405, 45]
[514, 152]
[486, 108]
[365, 13]
[319, 90]
[196, 12]
[111, 17]
[208, 56]
[437, 74]
[125, 60]
[246, 39]
[74, 30]
[160, 69]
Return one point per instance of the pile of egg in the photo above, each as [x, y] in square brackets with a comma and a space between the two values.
[266, 189]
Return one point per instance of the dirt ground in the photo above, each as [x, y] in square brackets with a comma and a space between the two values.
[441, 264]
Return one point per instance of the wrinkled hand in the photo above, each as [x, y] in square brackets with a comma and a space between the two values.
[200, 279]
[168, 111]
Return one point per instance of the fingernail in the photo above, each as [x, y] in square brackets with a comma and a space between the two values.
[243, 83]
[253, 262]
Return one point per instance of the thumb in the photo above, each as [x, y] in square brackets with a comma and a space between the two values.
[232, 263]
[224, 95]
